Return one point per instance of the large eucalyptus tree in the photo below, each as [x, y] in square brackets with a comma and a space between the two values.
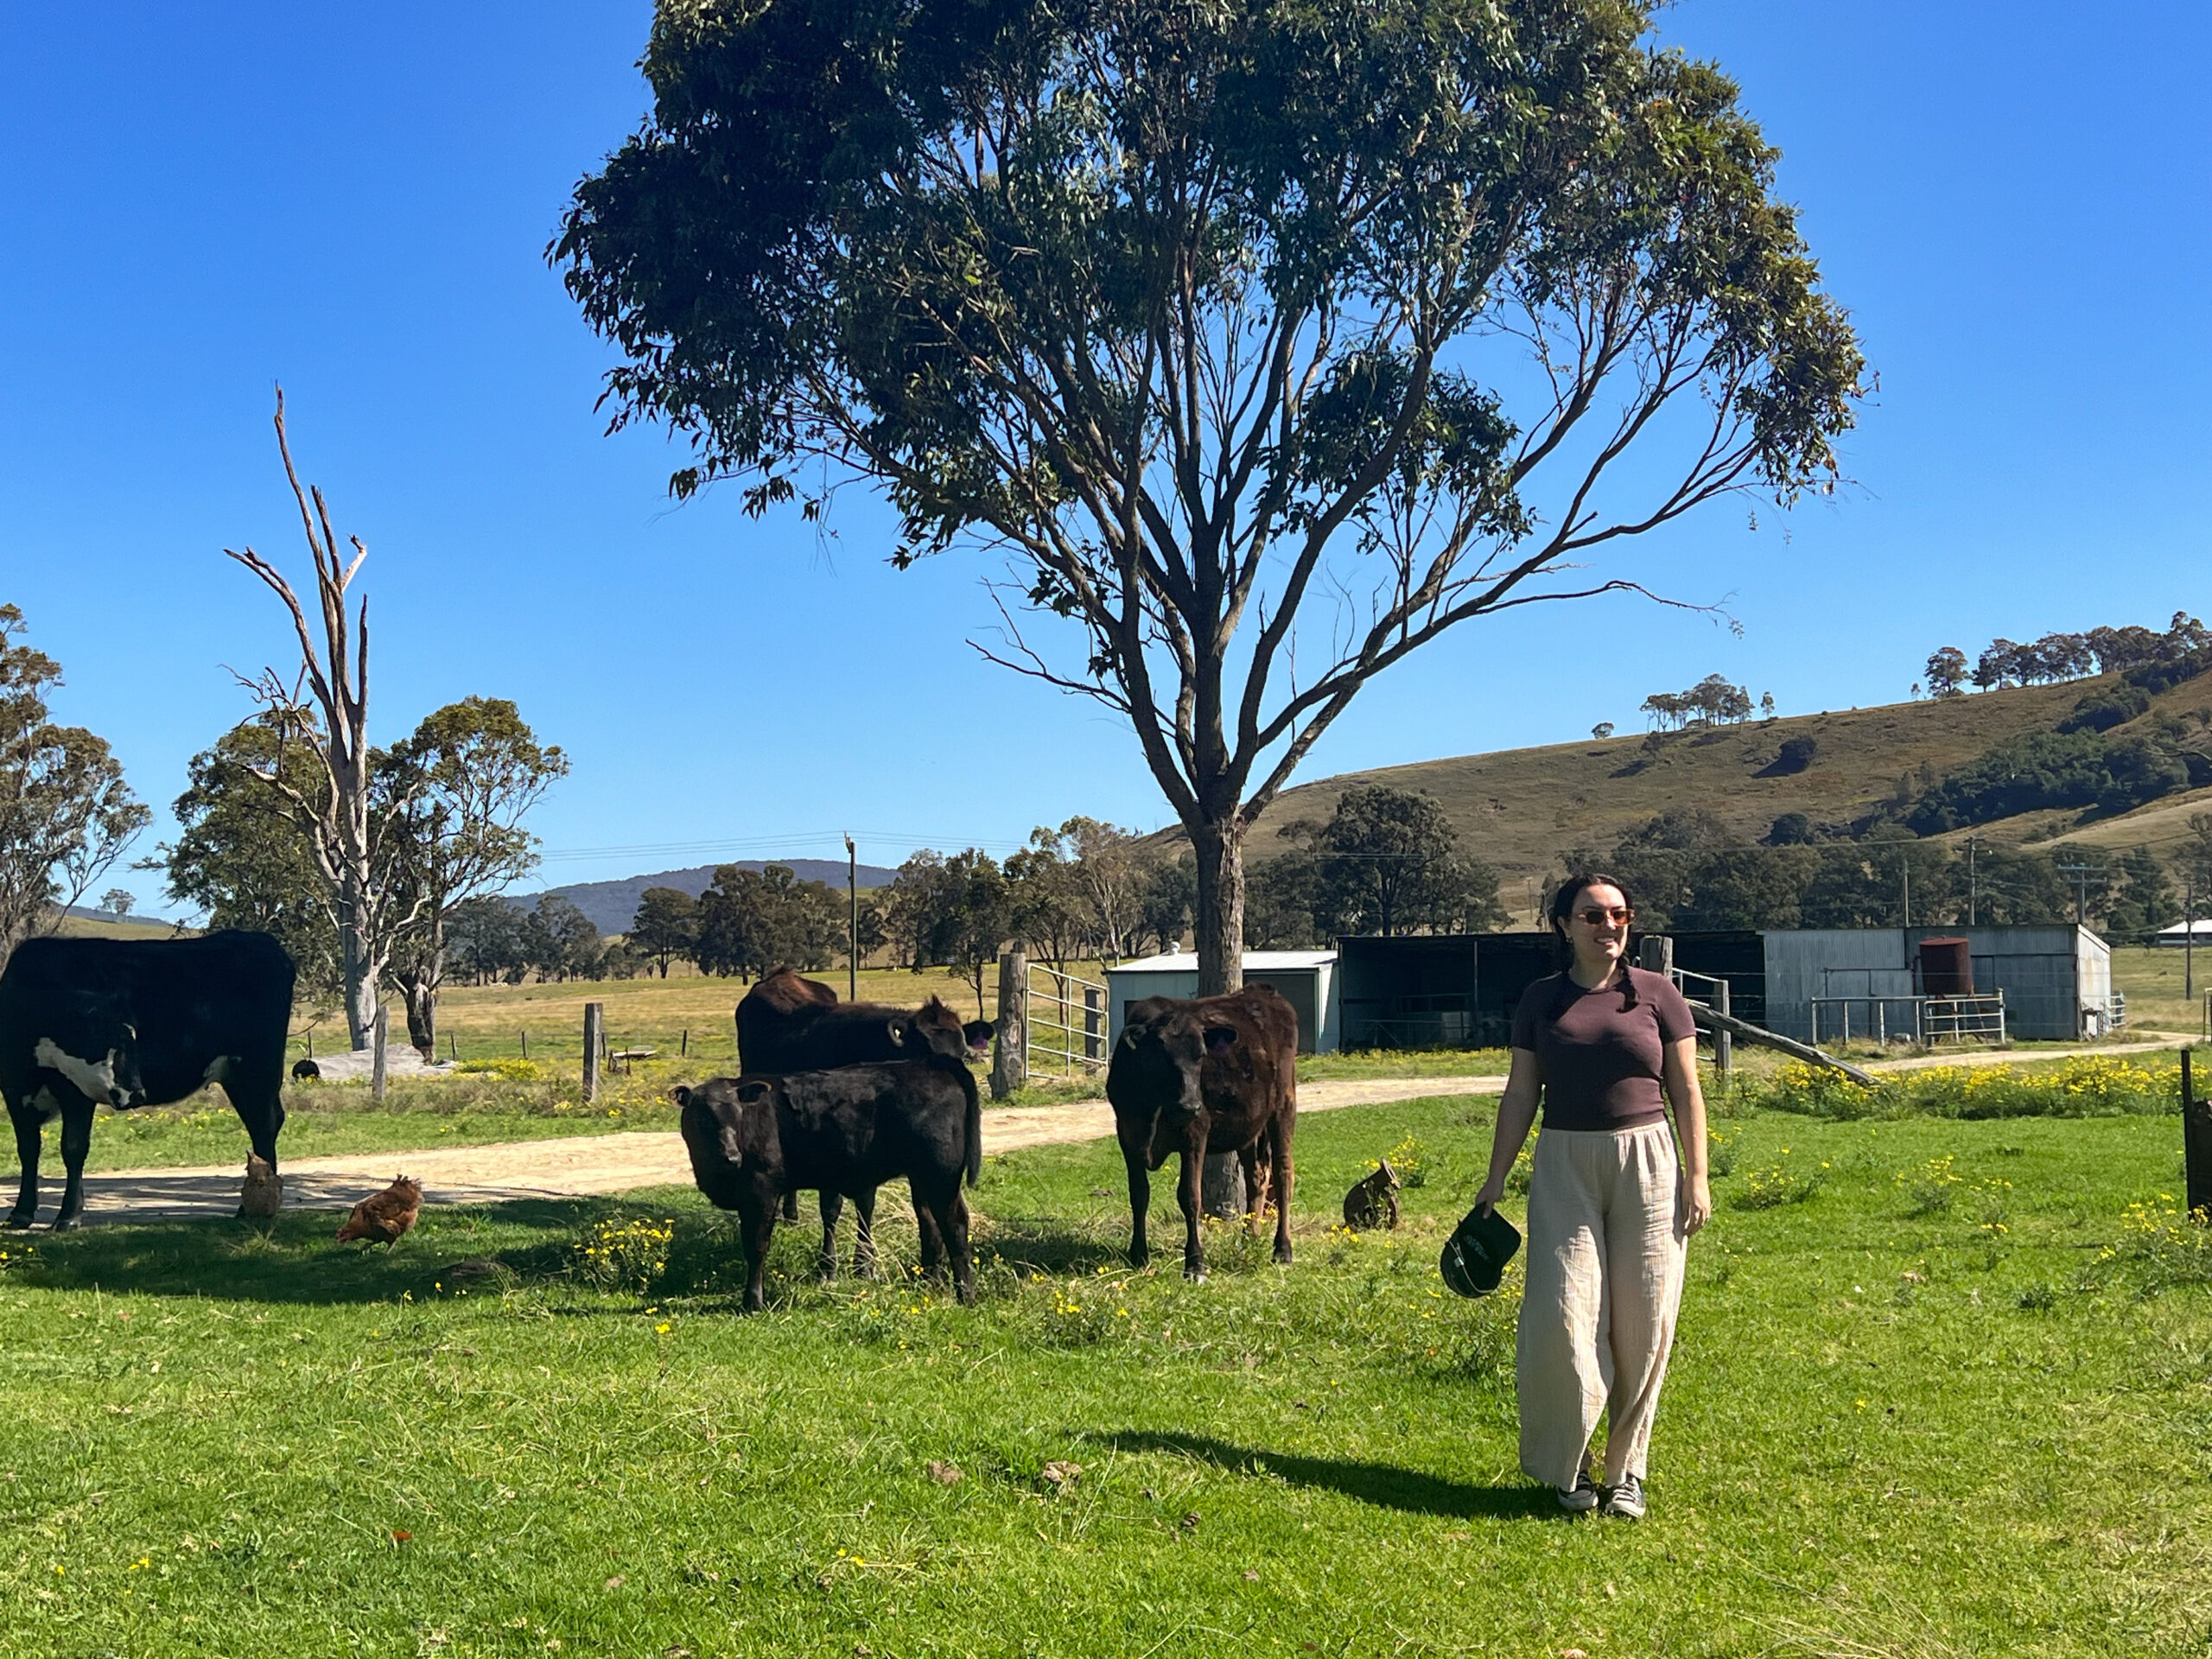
[1268, 338]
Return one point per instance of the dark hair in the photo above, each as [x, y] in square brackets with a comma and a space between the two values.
[1562, 907]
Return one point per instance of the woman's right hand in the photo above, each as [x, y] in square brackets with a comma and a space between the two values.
[1491, 1192]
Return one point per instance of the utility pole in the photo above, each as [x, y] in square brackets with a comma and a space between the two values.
[2189, 940]
[2081, 872]
[1904, 878]
[853, 923]
[1973, 890]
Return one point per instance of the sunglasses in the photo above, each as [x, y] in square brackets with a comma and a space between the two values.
[1598, 915]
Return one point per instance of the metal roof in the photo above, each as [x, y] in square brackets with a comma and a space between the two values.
[1187, 962]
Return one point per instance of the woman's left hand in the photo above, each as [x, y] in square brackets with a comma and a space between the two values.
[1698, 1205]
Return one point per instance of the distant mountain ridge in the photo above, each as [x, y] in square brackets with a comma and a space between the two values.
[611, 906]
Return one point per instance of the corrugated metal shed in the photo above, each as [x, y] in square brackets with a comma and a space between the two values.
[1307, 979]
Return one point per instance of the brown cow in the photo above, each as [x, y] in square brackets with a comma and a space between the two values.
[787, 1023]
[1211, 1074]
[846, 1130]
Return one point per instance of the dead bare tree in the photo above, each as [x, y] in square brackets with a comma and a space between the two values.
[330, 789]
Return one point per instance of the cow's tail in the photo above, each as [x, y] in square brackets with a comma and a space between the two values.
[975, 1133]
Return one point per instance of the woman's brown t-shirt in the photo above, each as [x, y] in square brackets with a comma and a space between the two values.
[1602, 1053]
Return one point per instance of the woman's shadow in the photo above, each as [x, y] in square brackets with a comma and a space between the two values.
[1382, 1484]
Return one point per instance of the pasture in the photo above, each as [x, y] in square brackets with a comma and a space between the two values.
[1939, 1391]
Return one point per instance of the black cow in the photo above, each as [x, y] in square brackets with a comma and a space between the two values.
[787, 1024]
[1208, 1074]
[844, 1132]
[138, 1022]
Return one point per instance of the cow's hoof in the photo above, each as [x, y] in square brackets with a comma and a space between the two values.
[65, 1223]
[20, 1220]
[1282, 1256]
[1195, 1272]
[1140, 1257]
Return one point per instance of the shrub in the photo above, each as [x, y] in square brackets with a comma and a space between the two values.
[2048, 769]
[625, 1253]
[1410, 1157]
[1795, 755]
[2102, 713]
[506, 1070]
[2092, 1086]
[2171, 1248]
[1783, 1183]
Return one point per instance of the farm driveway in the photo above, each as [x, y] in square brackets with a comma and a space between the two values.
[586, 1165]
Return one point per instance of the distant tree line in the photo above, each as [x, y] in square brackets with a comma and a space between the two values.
[1711, 702]
[1687, 870]
[2150, 659]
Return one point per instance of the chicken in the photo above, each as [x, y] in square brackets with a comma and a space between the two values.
[384, 1216]
[262, 1195]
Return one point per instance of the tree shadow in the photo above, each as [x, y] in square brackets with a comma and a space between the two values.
[1384, 1484]
[294, 1258]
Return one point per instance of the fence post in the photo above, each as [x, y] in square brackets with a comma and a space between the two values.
[526, 1044]
[1658, 953]
[379, 1033]
[1724, 1041]
[1094, 1023]
[2195, 1143]
[592, 1040]
[1010, 1047]
[685, 1049]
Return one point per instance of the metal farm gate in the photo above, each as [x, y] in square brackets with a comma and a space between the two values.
[1067, 1023]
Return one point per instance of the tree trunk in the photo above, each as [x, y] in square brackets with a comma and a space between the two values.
[360, 979]
[1219, 921]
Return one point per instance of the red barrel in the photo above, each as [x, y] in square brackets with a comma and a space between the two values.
[1946, 968]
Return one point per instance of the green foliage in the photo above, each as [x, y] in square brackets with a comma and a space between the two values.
[489, 939]
[1386, 862]
[2050, 769]
[752, 921]
[241, 859]
[2102, 712]
[2090, 1086]
[1711, 702]
[1000, 260]
[666, 925]
[66, 814]
[1780, 1183]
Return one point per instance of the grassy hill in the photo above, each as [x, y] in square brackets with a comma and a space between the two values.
[1521, 809]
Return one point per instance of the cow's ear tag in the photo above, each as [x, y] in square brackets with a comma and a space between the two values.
[1220, 1039]
[897, 1034]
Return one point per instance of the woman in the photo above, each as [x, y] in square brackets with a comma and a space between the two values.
[1610, 1205]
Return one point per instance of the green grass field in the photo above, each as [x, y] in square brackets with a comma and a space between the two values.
[1939, 1391]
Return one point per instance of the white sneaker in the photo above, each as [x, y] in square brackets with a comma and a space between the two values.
[1581, 1497]
[1626, 1500]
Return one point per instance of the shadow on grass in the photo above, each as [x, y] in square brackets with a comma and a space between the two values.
[294, 1259]
[1384, 1485]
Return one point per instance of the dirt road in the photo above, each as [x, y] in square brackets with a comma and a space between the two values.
[584, 1165]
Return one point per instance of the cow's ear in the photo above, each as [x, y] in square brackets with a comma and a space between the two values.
[979, 1033]
[1220, 1039]
[751, 1089]
[680, 1095]
[897, 1030]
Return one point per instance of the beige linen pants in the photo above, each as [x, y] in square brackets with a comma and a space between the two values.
[1605, 1281]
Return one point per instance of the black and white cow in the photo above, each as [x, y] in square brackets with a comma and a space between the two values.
[138, 1022]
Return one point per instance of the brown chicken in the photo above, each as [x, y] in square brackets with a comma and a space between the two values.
[384, 1216]
[262, 1196]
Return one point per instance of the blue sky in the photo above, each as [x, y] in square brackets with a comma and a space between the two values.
[201, 202]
